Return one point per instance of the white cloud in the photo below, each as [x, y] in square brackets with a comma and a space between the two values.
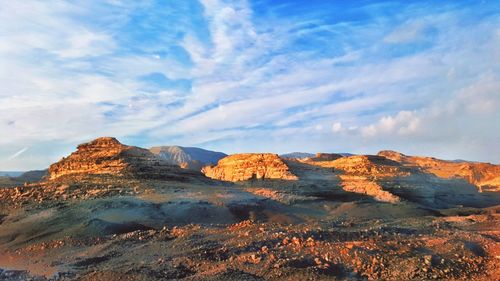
[404, 123]
[337, 127]
[406, 33]
[65, 80]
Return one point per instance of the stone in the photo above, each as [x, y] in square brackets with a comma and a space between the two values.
[248, 166]
[485, 176]
[107, 155]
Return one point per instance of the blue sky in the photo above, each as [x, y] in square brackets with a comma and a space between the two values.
[421, 77]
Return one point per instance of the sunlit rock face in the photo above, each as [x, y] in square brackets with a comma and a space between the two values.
[107, 155]
[241, 167]
[485, 176]
[389, 180]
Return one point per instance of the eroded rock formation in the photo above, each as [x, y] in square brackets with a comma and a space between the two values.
[391, 181]
[483, 175]
[241, 167]
[107, 155]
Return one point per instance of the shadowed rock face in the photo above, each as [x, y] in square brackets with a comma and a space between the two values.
[93, 222]
[241, 167]
[483, 175]
[108, 156]
[391, 181]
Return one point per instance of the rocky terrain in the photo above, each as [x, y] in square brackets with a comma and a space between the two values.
[108, 156]
[483, 175]
[111, 212]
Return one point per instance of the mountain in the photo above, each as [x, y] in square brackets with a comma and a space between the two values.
[107, 155]
[32, 176]
[485, 176]
[326, 156]
[187, 157]
[10, 173]
[252, 216]
[390, 180]
[26, 177]
[302, 155]
[248, 166]
[297, 155]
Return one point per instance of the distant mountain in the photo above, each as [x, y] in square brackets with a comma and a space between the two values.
[303, 155]
[188, 157]
[7, 180]
[32, 176]
[10, 173]
[298, 155]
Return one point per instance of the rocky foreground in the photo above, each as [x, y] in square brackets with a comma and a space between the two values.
[115, 212]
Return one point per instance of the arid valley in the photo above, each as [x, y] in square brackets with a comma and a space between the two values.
[110, 212]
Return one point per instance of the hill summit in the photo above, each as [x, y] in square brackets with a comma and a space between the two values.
[247, 166]
[106, 155]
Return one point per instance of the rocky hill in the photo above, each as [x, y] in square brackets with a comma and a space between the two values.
[187, 157]
[115, 212]
[389, 180]
[247, 166]
[107, 155]
[483, 175]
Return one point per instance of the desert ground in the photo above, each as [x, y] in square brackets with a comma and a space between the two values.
[103, 213]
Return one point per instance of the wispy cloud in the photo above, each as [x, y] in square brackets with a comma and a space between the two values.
[331, 76]
[15, 155]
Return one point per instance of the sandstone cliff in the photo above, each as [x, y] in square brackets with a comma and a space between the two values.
[108, 156]
[483, 175]
[241, 167]
[391, 181]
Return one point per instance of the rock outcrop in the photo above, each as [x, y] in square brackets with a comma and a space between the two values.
[483, 175]
[247, 166]
[108, 156]
[369, 165]
[389, 180]
[362, 173]
[326, 157]
[193, 158]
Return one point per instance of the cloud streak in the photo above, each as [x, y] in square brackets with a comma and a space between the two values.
[234, 74]
[18, 153]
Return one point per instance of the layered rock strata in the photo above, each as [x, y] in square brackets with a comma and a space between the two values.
[485, 176]
[247, 166]
[107, 155]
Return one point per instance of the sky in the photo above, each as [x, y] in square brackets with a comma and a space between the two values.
[420, 77]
